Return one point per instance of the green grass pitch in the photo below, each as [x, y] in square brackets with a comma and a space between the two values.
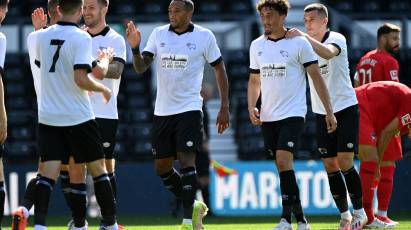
[214, 223]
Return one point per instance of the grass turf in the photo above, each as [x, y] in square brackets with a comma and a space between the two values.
[214, 223]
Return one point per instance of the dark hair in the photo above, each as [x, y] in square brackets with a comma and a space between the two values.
[52, 6]
[104, 2]
[70, 6]
[4, 3]
[387, 28]
[320, 8]
[281, 6]
[188, 4]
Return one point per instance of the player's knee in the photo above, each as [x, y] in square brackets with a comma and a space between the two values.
[284, 164]
[331, 165]
[96, 168]
[345, 163]
[162, 167]
[187, 159]
[110, 165]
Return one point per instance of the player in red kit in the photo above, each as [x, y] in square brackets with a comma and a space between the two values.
[377, 129]
[380, 65]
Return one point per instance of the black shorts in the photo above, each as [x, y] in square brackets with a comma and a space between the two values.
[108, 131]
[282, 135]
[82, 141]
[177, 133]
[344, 139]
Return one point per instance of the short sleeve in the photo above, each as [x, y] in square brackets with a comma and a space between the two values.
[82, 48]
[254, 65]
[391, 70]
[151, 47]
[3, 45]
[339, 42]
[307, 55]
[119, 47]
[212, 53]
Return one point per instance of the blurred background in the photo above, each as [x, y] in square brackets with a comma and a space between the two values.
[235, 24]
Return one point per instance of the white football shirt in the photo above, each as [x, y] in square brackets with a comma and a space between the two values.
[336, 75]
[3, 46]
[60, 50]
[35, 70]
[108, 38]
[180, 60]
[281, 64]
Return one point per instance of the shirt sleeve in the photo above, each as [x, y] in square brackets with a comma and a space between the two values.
[254, 65]
[391, 70]
[3, 45]
[82, 48]
[338, 42]
[212, 53]
[151, 47]
[307, 55]
[119, 47]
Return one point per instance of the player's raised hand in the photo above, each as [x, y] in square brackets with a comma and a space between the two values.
[133, 35]
[331, 122]
[223, 120]
[254, 115]
[106, 95]
[294, 32]
[3, 130]
[106, 53]
[38, 18]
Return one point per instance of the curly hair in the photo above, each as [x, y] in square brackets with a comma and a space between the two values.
[281, 6]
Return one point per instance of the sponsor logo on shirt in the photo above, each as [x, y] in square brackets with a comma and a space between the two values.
[324, 70]
[277, 70]
[162, 45]
[406, 119]
[174, 61]
[394, 75]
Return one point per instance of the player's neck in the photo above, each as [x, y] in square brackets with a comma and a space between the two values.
[182, 28]
[69, 18]
[98, 28]
[277, 34]
[320, 35]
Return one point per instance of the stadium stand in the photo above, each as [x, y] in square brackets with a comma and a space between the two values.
[135, 100]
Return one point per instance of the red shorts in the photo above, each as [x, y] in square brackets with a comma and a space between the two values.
[368, 135]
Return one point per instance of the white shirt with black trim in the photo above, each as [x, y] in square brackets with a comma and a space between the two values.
[180, 60]
[108, 38]
[336, 75]
[3, 46]
[60, 49]
[35, 70]
[281, 65]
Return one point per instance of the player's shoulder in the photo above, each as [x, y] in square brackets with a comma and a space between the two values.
[163, 28]
[201, 30]
[258, 40]
[2, 36]
[336, 36]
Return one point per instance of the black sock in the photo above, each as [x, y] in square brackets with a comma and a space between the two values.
[353, 182]
[338, 190]
[172, 181]
[65, 187]
[113, 183]
[44, 187]
[298, 209]
[2, 198]
[30, 193]
[78, 199]
[105, 198]
[288, 185]
[206, 194]
[189, 189]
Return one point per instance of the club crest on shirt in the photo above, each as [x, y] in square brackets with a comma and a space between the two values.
[191, 46]
[276, 70]
[174, 61]
[394, 75]
[324, 70]
[406, 119]
[162, 45]
[284, 53]
[260, 53]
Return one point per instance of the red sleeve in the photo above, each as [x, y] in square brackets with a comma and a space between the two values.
[391, 70]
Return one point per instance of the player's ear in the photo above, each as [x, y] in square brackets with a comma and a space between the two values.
[105, 10]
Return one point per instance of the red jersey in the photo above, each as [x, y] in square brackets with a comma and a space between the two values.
[377, 66]
[383, 101]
